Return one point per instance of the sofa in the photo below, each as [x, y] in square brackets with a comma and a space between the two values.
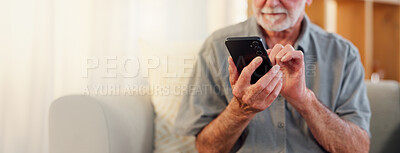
[125, 124]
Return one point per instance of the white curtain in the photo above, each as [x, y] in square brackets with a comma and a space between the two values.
[52, 48]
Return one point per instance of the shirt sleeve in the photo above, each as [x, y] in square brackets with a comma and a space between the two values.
[353, 104]
[204, 99]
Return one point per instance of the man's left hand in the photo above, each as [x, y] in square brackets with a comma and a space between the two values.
[292, 65]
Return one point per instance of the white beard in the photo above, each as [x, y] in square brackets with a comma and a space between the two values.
[273, 23]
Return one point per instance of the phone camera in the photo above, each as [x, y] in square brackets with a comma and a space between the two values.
[255, 43]
[258, 48]
[259, 52]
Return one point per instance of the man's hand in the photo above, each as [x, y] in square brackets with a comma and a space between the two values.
[292, 65]
[221, 134]
[253, 98]
[332, 132]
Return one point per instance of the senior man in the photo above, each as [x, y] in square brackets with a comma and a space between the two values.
[312, 100]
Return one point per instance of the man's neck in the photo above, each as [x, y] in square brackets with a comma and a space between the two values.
[288, 36]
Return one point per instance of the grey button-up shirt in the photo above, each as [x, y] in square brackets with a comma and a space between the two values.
[333, 72]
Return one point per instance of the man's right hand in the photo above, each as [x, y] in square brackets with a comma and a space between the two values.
[253, 98]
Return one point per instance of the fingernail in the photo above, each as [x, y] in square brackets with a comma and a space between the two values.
[258, 59]
[283, 58]
[276, 68]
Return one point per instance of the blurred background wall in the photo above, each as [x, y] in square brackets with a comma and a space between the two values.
[372, 25]
[51, 48]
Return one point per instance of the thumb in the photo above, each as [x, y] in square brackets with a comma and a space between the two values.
[233, 73]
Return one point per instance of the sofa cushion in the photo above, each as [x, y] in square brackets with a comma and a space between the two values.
[173, 62]
[385, 120]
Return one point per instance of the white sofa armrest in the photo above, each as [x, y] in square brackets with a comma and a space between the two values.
[109, 124]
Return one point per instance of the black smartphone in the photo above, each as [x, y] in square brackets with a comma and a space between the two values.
[244, 49]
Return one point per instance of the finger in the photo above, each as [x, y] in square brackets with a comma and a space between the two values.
[263, 82]
[274, 51]
[233, 73]
[245, 75]
[272, 96]
[268, 51]
[271, 86]
[292, 55]
[271, 93]
[286, 49]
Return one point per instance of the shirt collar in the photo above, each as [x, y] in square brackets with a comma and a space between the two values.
[302, 42]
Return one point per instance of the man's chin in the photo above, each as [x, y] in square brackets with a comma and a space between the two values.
[276, 27]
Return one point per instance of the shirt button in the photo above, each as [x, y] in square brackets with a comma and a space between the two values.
[281, 125]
